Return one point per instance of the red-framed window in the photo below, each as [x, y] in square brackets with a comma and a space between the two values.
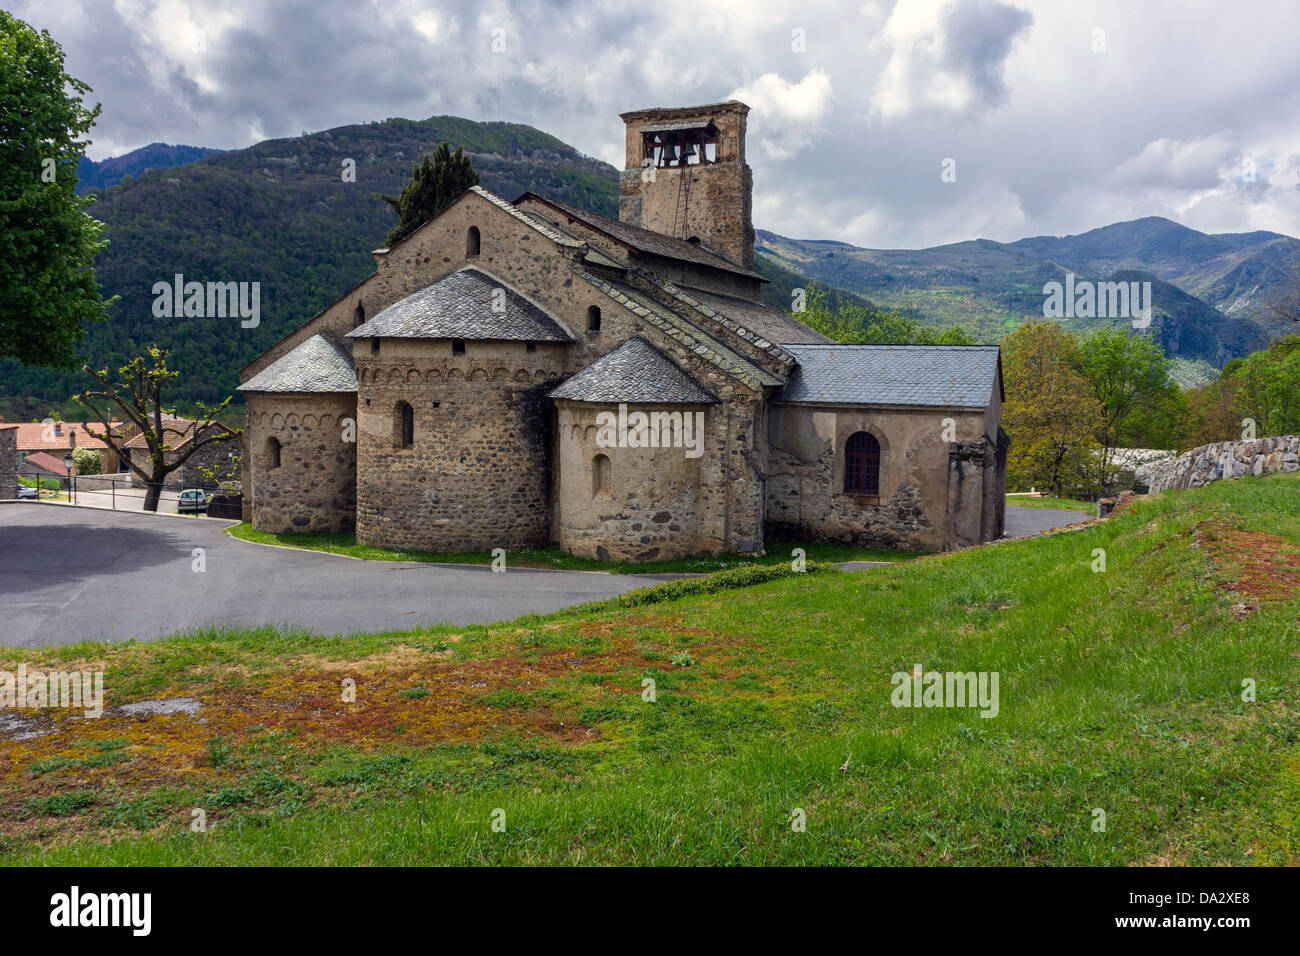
[862, 464]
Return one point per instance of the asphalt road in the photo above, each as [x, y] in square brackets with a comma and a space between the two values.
[1022, 522]
[70, 574]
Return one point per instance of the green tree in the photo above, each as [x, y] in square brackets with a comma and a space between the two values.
[47, 241]
[1050, 412]
[853, 324]
[435, 184]
[138, 395]
[1129, 379]
[1263, 387]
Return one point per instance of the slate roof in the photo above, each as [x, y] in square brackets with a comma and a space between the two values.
[636, 371]
[557, 236]
[644, 240]
[690, 335]
[317, 365]
[766, 321]
[947, 376]
[461, 306]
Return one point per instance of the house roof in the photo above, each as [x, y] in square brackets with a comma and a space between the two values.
[644, 240]
[689, 334]
[46, 462]
[176, 432]
[946, 376]
[765, 325]
[37, 436]
[319, 364]
[469, 304]
[635, 371]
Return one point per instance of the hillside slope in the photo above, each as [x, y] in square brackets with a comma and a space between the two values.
[1120, 690]
[278, 213]
[101, 174]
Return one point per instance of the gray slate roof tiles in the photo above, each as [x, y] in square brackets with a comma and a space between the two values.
[949, 376]
[643, 240]
[637, 372]
[464, 306]
[319, 364]
[688, 334]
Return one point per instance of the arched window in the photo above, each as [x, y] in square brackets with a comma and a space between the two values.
[600, 476]
[593, 318]
[472, 240]
[405, 425]
[862, 464]
[359, 316]
[272, 453]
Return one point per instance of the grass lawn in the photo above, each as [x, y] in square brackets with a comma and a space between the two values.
[1119, 691]
[552, 557]
[1067, 503]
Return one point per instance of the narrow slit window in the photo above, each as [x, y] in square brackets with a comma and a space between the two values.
[600, 476]
[405, 425]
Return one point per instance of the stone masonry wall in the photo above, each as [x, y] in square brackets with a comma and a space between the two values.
[314, 488]
[1229, 459]
[650, 508]
[8, 463]
[478, 474]
[711, 202]
[806, 477]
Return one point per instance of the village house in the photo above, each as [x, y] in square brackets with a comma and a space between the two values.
[206, 468]
[57, 438]
[519, 373]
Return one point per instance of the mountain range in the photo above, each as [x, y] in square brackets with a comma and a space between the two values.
[1210, 293]
[285, 213]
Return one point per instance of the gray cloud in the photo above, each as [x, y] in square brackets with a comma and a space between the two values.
[856, 104]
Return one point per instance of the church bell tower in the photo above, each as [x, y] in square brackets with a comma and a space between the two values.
[686, 177]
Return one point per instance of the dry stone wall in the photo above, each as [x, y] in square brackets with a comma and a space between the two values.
[1229, 459]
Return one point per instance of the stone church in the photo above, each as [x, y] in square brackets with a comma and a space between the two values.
[521, 373]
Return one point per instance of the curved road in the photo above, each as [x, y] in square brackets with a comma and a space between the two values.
[69, 574]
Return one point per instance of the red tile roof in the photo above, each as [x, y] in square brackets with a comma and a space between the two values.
[38, 436]
[48, 462]
[175, 432]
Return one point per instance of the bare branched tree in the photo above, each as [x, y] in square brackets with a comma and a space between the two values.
[138, 395]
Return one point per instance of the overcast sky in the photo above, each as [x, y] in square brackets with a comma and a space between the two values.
[1059, 116]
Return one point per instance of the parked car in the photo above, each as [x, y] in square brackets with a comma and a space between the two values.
[192, 500]
[28, 491]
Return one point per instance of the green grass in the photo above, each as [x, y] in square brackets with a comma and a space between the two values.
[1119, 691]
[552, 557]
[1068, 504]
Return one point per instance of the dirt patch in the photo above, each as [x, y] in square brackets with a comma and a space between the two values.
[386, 699]
[1255, 563]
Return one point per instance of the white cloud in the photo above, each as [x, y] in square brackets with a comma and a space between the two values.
[786, 116]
